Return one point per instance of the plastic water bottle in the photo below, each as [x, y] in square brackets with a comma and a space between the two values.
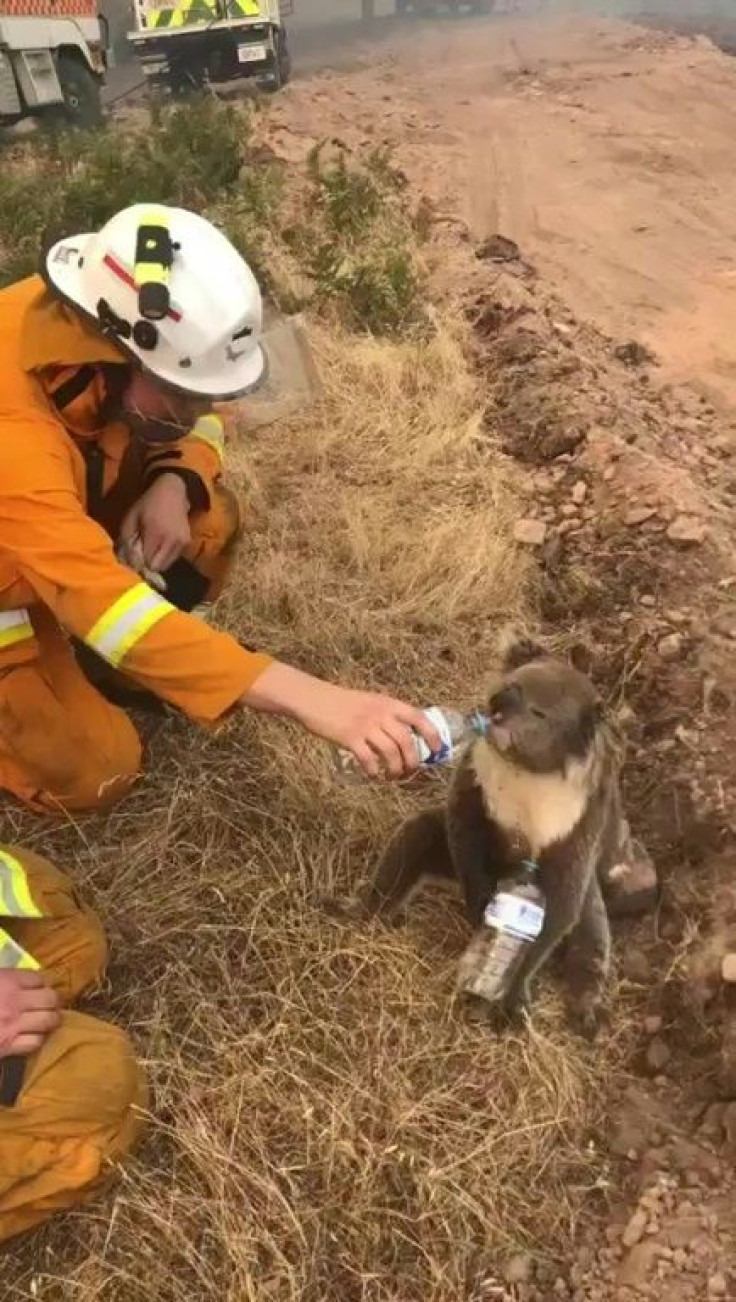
[455, 730]
[512, 920]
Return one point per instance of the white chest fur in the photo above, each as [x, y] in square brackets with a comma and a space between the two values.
[540, 807]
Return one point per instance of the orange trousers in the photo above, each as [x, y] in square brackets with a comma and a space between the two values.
[63, 746]
[80, 1109]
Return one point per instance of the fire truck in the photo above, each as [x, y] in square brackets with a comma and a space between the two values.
[52, 61]
[185, 44]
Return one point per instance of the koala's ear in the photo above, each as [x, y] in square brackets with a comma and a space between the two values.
[516, 651]
[581, 658]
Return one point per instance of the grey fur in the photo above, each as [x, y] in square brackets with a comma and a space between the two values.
[549, 732]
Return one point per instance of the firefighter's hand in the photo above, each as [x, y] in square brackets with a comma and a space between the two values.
[29, 1011]
[160, 518]
[376, 729]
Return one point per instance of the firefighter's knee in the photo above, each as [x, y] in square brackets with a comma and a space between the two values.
[62, 745]
[72, 950]
[106, 773]
[78, 1114]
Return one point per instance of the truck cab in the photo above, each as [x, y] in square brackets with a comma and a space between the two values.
[52, 61]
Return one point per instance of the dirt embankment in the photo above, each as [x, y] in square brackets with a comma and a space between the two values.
[605, 327]
[603, 150]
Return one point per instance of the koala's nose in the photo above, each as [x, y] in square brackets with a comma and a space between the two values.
[505, 703]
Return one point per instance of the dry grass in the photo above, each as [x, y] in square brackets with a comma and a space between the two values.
[325, 1126]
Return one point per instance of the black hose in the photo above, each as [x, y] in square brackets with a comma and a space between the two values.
[12, 1075]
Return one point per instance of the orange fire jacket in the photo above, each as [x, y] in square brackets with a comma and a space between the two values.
[53, 382]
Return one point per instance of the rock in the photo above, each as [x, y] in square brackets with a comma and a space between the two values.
[670, 646]
[658, 1055]
[728, 1059]
[632, 885]
[717, 1286]
[686, 531]
[636, 966]
[636, 1266]
[639, 515]
[632, 353]
[653, 1024]
[728, 969]
[726, 626]
[713, 1120]
[518, 1269]
[696, 1161]
[681, 1232]
[568, 509]
[530, 532]
[498, 249]
[728, 1122]
[635, 1228]
[679, 1258]
[579, 492]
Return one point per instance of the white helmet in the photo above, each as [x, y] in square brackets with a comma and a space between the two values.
[171, 290]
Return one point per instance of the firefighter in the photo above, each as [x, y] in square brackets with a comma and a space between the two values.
[72, 1098]
[115, 523]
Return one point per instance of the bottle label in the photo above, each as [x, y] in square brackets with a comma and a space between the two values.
[514, 915]
[428, 757]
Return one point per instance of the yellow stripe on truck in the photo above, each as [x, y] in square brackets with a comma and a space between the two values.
[126, 621]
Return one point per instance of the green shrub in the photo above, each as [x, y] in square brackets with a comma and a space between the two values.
[349, 250]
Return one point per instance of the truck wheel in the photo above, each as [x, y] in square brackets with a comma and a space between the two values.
[283, 54]
[184, 80]
[81, 90]
[281, 70]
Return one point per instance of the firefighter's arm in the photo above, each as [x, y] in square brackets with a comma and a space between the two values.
[69, 562]
[196, 459]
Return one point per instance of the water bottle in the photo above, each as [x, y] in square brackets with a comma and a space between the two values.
[455, 730]
[512, 920]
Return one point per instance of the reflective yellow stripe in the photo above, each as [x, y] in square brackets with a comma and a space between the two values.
[16, 900]
[126, 621]
[15, 626]
[198, 11]
[13, 956]
[210, 430]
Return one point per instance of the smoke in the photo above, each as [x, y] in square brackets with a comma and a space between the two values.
[692, 11]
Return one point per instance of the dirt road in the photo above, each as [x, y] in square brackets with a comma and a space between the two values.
[604, 152]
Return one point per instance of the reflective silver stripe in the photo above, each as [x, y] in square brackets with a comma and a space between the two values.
[16, 900]
[12, 618]
[13, 957]
[15, 626]
[126, 621]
